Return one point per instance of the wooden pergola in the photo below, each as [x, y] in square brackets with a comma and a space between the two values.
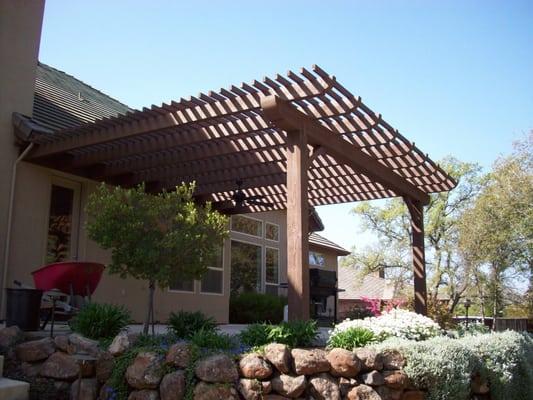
[299, 140]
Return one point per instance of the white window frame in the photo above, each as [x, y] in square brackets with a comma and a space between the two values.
[273, 224]
[216, 269]
[76, 187]
[247, 234]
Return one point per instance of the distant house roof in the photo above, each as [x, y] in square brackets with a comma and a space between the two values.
[63, 101]
[320, 241]
[370, 286]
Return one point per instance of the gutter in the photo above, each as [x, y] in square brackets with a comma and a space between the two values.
[10, 221]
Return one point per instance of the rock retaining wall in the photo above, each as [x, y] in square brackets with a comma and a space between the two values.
[275, 373]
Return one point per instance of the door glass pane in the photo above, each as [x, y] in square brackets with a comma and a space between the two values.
[59, 224]
[246, 225]
[245, 267]
[272, 265]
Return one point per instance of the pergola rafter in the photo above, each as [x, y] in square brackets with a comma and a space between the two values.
[298, 140]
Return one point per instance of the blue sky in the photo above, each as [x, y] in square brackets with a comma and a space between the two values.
[456, 77]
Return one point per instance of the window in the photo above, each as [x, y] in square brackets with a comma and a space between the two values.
[316, 259]
[62, 221]
[248, 226]
[271, 270]
[246, 267]
[271, 231]
[213, 280]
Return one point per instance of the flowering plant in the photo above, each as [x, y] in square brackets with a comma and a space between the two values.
[394, 323]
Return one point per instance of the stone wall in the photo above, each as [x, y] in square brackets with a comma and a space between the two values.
[275, 373]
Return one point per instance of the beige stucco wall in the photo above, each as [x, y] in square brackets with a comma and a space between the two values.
[20, 32]
[28, 248]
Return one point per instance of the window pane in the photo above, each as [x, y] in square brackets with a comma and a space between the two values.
[316, 259]
[59, 224]
[272, 265]
[271, 289]
[246, 225]
[271, 232]
[183, 285]
[212, 281]
[245, 267]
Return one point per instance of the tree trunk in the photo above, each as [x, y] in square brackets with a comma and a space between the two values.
[150, 311]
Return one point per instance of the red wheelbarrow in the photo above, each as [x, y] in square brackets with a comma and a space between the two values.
[61, 279]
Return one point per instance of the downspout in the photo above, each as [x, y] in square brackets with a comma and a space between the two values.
[10, 221]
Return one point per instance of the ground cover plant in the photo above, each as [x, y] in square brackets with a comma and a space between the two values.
[293, 334]
[444, 366]
[394, 323]
[100, 321]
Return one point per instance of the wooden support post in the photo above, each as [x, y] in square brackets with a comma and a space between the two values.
[416, 209]
[297, 226]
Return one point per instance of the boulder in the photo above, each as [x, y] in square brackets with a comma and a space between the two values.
[88, 390]
[218, 368]
[345, 385]
[144, 394]
[395, 379]
[60, 366]
[289, 386]
[392, 359]
[324, 387]
[280, 356]
[121, 343]
[310, 362]
[107, 393]
[104, 367]
[370, 359]
[31, 369]
[172, 386]
[145, 372]
[413, 395]
[36, 350]
[266, 387]
[344, 363]
[63, 344]
[388, 393]
[179, 355]
[250, 389]
[209, 391]
[254, 366]
[363, 392]
[84, 345]
[372, 378]
[10, 336]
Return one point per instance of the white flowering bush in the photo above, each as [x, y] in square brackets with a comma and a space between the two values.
[398, 323]
[444, 366]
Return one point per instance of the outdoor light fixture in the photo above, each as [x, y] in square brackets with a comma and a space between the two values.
[467, 305]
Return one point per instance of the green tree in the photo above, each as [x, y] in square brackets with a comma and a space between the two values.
[390, 221]
[158, 238]
[496, 233]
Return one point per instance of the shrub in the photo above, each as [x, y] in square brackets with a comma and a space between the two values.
[100, 321]
[396, 323]
[473, 328]
[293, 334]
[213, 340]
[444, 366]
[358, 312]
[250, 308]
[351, 338]
[184, 323]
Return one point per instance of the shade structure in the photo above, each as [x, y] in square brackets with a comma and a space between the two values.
[297, 141]
[219, 137]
